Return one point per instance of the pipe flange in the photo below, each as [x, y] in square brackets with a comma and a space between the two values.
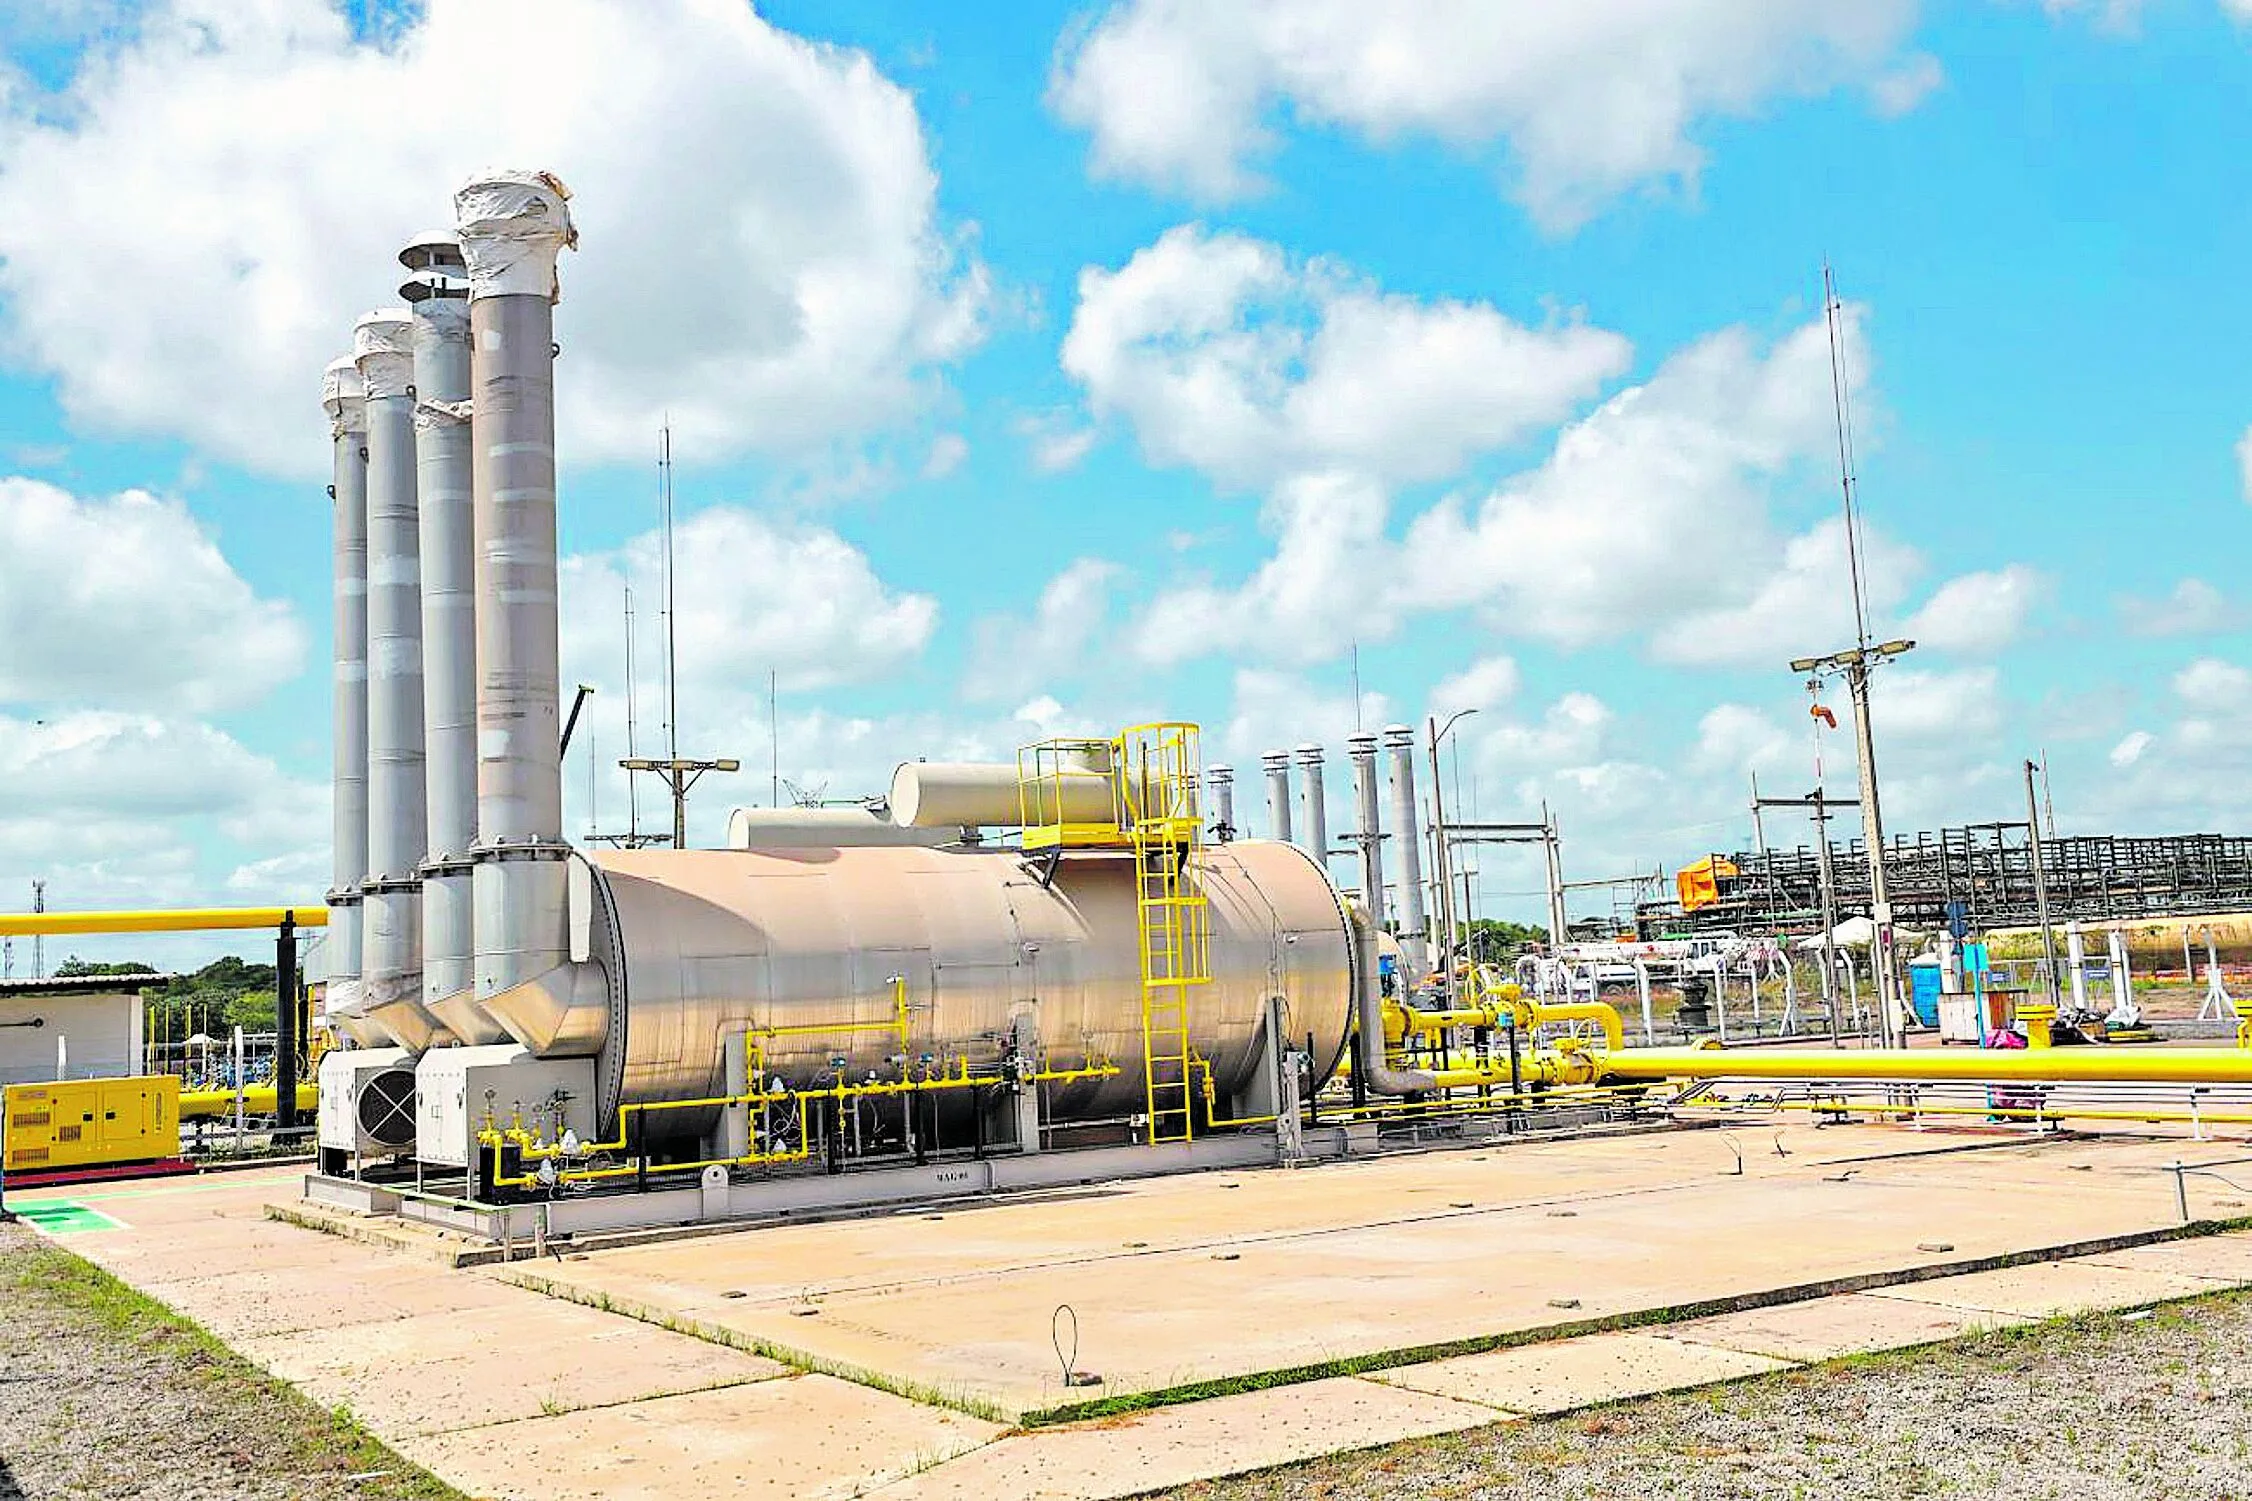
[531, 849]
[380, 885]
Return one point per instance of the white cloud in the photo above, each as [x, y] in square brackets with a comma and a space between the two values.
[1803, 605]
[1962, 707]
[1653, 507]
[1733, 739]
[1281, 710]
[1590, 99]
[1058, 442]
[753, 594]
[1978, 613]
[1325, 587]
[1485, 684]
[1011, 656]
[947, 452]
[2130, 748]
[128, 602]
[1225, 355]
[763, 258]
[2244, 444]
[2190, 608]
[2188, 772]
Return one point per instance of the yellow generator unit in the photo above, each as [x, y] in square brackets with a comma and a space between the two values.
[77, 1123]
[1698, 885]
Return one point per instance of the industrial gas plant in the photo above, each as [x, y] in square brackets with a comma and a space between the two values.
[1069, 967]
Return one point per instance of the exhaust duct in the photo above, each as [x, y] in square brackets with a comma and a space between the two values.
[1317, 804]
[513, 226]
[343, 396]
[1414, 935]
[391, 902]
[438, 292]
[1362, 748]
[1276, 764]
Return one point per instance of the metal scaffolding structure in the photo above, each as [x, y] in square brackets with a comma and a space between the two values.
[1988, 867]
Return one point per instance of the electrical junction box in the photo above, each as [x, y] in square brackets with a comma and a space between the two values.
[367, 1102]
[90, 1122]
[459, 1090]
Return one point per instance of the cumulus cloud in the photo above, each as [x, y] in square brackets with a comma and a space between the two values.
[1225, 355]
[752, 594]
[1651, 509]
[2244, 448]
[1978, 612]
[763, 256]
[1011, 656]
[1803, 605]
[2189, 768]
[1325, 587]
[1733, 739]
[947, 451]
[1589, 100]
[128, 602]
[1484, 684]
[2192, 606]
[2130, 748]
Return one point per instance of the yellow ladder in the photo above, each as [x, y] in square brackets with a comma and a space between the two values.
[1160, 772]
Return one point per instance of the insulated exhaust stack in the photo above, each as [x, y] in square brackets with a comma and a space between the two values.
[1414, 932]
[439, 294]
[343, 396]
[513, 227]
[391, 903]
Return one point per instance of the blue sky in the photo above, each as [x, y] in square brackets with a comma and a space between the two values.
[1039, 368]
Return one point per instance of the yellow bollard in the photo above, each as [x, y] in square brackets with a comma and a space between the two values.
[2037, 1018]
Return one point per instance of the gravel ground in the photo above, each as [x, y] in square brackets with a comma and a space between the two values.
[2098, 1408]
[104, 1394]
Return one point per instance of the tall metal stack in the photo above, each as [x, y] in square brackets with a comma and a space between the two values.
[513, 226]
[343, 396]
[1317, 804]
[438, 292]
[1276, 764]
[391, 904]
[1414, 929]
[1362, 748]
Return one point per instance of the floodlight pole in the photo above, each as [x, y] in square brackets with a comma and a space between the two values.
[1853, 664]
[680, 773]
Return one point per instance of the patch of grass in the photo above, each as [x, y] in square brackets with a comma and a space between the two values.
[316, 1438]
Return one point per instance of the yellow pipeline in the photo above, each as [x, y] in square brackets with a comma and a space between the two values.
[174, 920]
[258, 1099]
[2080, 1065]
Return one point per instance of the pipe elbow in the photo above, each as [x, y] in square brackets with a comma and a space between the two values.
[564, 1013]
[1368, 998]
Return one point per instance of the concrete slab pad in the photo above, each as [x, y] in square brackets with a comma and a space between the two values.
[2049, 1290]
[1575, 1373]
[433, 1373]
[801, 1436]
[363, 1288]
[2226, 1259]
[1175, 1445]
[1825, 1328]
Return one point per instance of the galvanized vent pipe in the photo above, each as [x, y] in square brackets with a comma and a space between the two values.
[1277, 766]
[1414, 931]
[439, 294]
[343, 396]
[513, 226]
[1317, 804]
[1362, 748]
[1222, 781]
[391, 905]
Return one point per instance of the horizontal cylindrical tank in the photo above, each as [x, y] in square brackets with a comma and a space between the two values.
[987, 794]
[824, 828]
[711, 942]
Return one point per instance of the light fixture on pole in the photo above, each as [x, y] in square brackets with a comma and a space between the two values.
[1853, 665]
[1441, 863]
[680, 774]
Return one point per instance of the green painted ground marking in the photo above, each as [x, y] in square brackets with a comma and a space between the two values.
[63, 1217]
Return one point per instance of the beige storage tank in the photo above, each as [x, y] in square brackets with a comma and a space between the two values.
[703, 944]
